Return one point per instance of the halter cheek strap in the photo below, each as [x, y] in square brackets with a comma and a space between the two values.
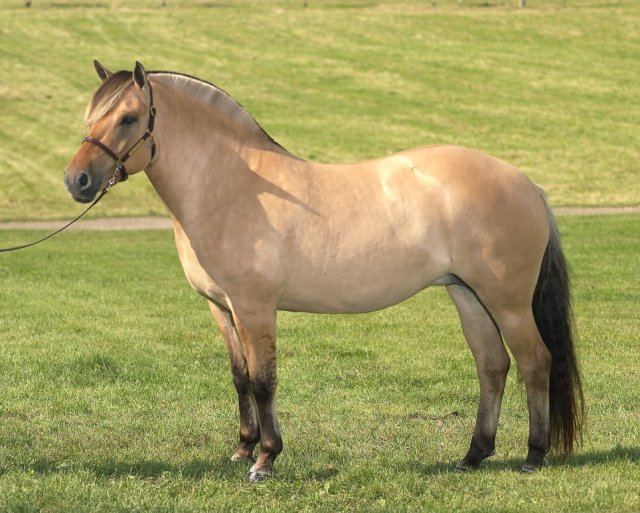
[120, 174]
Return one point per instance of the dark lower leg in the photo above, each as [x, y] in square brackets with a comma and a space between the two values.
[257, 334]
[534, 364]
[492, 365]
[484, 434]
[539, 435]
[270, 441]
[249, 426]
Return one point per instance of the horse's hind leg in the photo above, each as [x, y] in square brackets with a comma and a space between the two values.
[521, 334]
[492, 364]
[249, 426]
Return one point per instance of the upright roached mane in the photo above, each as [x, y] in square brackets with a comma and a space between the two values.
[113, 88]
[258, 229]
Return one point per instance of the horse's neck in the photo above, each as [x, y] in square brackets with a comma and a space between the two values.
[205, 157]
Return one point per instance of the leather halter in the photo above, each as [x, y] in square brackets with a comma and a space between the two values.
[120, 174]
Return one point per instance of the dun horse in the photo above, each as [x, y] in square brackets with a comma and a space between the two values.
[259, 230]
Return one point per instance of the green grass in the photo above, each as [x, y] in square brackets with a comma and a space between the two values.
[115, 392]
[551, 88]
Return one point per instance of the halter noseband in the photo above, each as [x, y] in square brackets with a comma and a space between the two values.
[120, 174]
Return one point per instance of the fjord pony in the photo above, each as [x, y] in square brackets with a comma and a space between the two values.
[258, 229]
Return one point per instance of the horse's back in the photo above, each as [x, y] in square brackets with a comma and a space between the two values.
[461, 170]
[461, 189]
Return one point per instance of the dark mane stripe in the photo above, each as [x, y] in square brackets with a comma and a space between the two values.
[111, 90]
[218, 91]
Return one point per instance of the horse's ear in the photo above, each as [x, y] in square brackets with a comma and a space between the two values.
[102, 72]
[140, 75]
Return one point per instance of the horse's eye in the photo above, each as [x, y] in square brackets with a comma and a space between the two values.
[128, 119]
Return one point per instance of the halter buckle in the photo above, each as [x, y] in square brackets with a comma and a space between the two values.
[119, 175]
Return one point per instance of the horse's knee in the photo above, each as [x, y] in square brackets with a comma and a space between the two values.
[240, 381]
[264, 388]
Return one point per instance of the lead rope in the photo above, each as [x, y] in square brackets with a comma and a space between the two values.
[119, 175]
[29, 244]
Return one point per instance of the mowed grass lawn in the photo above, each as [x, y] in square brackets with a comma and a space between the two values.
[551, 88]
[115, 392]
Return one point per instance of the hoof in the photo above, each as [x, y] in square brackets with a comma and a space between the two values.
[463, 466]
[472, 462]
[527, 468]
[258, 476]
[534, 461]
[240, 457]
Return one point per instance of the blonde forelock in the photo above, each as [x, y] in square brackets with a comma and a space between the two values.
[106, 97]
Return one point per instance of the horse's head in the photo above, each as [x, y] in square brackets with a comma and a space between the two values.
[119, 120]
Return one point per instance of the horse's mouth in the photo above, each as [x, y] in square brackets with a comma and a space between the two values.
[83, 199]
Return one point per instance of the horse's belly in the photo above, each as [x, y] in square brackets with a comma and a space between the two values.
[358, 289]
[368, 257]
[359, 299]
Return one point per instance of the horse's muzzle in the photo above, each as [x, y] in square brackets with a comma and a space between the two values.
[81, 186]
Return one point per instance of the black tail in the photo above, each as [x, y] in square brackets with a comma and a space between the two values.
[554, 318]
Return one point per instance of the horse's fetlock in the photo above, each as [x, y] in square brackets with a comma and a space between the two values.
[271, 448]
[249, 436]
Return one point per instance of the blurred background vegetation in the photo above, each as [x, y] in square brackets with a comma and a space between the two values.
[551, 87]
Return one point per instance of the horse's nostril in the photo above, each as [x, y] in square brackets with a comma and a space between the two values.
[84, 180]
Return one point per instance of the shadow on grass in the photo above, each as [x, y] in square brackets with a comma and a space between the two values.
[195, 470]
[617, 454]
[146, 469]
[225, 469]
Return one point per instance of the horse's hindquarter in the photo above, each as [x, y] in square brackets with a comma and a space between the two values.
[498, 220]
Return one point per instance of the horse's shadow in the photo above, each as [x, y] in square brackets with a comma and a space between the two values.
[582, 459]
[224, 469]
[196, 469]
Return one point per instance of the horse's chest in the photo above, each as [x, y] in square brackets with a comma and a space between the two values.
[199, 279]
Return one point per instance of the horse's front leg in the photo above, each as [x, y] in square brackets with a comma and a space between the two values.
[257, 330]
[249, 427]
